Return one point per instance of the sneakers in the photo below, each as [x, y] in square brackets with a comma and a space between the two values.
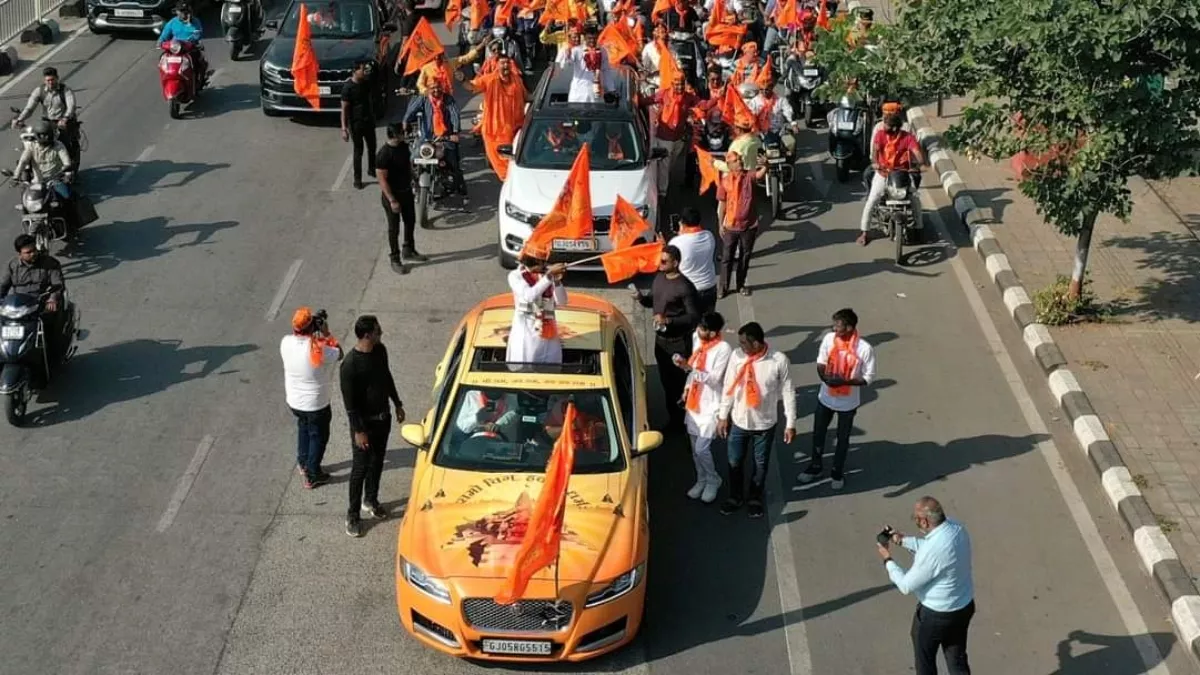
[709, 495]
[754, 509]
[809, 475]
[697, 490]
[398, 264]
[730, 506]
[837, 483]
[354, 527]
[411, 254]
[375, 511]
[315, 482]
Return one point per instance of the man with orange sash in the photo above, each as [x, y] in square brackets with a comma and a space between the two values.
[845, 364]
[537, 293]
[705, 370]
[756, 380]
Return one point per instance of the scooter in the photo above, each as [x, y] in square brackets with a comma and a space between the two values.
[687, 53]
[243, 24]
[849, 127]
[802, 81]
[178, 76]
[26, 363]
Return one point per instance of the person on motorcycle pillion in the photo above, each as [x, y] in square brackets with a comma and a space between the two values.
[893, 150]
[185, 27]
[58, 104]
[35, 273]
[775, 113]
[437, 117]
[49, 158]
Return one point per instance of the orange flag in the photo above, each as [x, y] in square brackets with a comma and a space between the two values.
[787, 15]
[735, 110]
[504, 13]
[422, 47]
[762, 78]
[571, 217]
[724, 35]
[708, 171]
[479, 12]
[660, 6]
[453, 13]
[618, 42]
[556, 10]
[627, 225]
[668, 67]
[823, 16]
[304, 63]
[540, 545]
[625, 263]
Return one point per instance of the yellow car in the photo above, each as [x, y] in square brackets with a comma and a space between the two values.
[482, 453]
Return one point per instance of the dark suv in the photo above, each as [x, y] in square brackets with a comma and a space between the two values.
[343, 32]
[104, 16]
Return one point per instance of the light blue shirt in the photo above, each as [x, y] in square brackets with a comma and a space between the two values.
[941, 571]
[175, 29]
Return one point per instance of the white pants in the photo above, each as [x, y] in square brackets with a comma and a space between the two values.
[703, 459]
[878, 187]
[674, 148]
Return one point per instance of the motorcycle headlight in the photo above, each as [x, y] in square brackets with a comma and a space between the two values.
[520, 214]
[896, 193]
[426, 151]
[499, 31]
[421, 581]
[619, 586]
[32, 202]
[772, 153]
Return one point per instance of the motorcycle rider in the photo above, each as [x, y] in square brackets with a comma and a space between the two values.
[806, 37]
[35, 273]
[185, 27]
[439, 119]
[651, 57]
[775, 113]
[58, 103]
[893, 149]
[680, 17]
[51, 161]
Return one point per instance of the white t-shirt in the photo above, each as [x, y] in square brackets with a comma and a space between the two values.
[865, 368]
[698, 255]
[306, 388]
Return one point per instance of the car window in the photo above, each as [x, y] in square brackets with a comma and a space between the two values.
[553, 144]
[514, 430]
[339, 19]
[442, 389]
[623, 375]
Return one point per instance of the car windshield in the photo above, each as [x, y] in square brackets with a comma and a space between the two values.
[339, 19]
[554, 143]
[508, 430]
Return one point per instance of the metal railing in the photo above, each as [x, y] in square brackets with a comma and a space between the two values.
[17, 15]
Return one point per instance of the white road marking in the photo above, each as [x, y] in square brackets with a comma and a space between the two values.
[1113, 582]
[185, 483]
[341, 177]
[795, 633]
[16, 79]
[133, 167]
[281, 294]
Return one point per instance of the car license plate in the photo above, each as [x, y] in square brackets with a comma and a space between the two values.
[845, 126]
[129, 13]
[324, 91]
[15, 333]
[422, 160]
[524, 647]
[811, 72]
[574, 245]
[174, 59]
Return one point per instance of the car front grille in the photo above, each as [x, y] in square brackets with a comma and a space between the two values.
[142, 4]
[525, 616]
[323, 76]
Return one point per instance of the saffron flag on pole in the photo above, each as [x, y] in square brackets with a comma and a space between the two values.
[540, 545]
[304, 63]
[619, 42]
[571, 217]
[421, 47]
[823, 16]
[708, 171]
[787, 15]
[627, 262]
[453, 13]
[479, 13]
[626, 225]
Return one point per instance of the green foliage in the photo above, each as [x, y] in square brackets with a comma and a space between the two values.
[1055, 307]
[880, 72]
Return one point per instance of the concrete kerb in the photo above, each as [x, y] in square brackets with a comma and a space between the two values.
[1156, 553]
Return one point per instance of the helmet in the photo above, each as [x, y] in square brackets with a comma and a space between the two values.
[748, 89]
[43, 131]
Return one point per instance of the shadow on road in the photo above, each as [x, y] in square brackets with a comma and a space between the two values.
[1116, 654]
[107, 181]
[103, 247]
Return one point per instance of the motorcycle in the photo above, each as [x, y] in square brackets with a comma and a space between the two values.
[26, 363]
[431, 175]
[242, 21]
[802, 81]
[849, 129]
[71, 135]
[44, 215]
[780, 172]
[894, 213]
[178, 77]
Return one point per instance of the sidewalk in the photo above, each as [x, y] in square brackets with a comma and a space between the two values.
[1138, 368]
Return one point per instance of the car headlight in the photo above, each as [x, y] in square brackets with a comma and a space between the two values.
[520, 214]
[271, 69]
[421, 581]
[619, 586]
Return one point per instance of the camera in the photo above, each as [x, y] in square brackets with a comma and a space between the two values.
[885, 536]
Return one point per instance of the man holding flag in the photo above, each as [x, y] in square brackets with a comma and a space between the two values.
[673, 100]
[503, 109]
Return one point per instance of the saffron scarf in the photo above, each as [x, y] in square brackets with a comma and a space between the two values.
[440, 128]
[843, 359]
[699, 361]
[747, 378]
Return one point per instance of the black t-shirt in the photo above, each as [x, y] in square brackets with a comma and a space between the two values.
[358, 95]
[397, 161]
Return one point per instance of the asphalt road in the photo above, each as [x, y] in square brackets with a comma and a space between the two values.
[176, 394]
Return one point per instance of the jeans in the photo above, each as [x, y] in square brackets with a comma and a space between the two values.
[760, 443]
[878, 186]
[821, 419]
[947, 630]
[367, 466]
[663, 166]
[408, 213]
[672, 377]
[708, 300]
[734, 243]
[362, 133]
[312, 435]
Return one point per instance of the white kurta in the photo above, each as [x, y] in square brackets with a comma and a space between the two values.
[525, 344]
[711, 379]
[583, 83]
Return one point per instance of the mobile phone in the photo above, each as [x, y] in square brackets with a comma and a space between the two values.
[884, 537]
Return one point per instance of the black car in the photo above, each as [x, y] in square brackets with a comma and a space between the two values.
[343, 32]
[104, 16]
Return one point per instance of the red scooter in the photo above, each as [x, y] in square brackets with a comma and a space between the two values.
[178, 74]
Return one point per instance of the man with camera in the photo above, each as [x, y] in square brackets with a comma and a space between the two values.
[308, 356]
[940, 577]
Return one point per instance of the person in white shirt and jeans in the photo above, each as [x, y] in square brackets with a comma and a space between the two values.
[702, 400]
[309, 355]
[698, 256]
[756, 380]
[845, 364]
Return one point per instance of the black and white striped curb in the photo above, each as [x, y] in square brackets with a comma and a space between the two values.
[1156, 553]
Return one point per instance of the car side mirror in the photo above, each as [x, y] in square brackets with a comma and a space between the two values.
[647, 441]
[414, 434]
[272, 24]
[505, 151]
[659, 153]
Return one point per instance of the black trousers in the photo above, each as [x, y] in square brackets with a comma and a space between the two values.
[822, 416]
[367, 466]
[708, 300]
[736, 249]
[363, 133]
[408, 213]
[671, 376]
[947, 630]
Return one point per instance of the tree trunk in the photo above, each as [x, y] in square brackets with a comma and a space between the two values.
[1083, 245]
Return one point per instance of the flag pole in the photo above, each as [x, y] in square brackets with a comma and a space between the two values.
[585, 260]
